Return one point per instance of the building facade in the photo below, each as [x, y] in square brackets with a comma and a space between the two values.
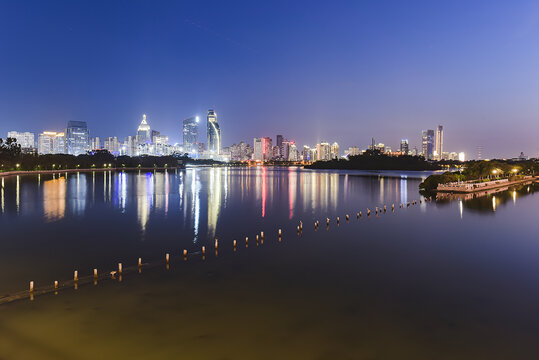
[144, 135]
[25, 139]
[190, 134]
[263, 149]
[427, 144]
[77, 138]
[439, 141]
[405, 149]
[213, 133]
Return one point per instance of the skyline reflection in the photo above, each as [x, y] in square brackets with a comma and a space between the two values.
[199, 200]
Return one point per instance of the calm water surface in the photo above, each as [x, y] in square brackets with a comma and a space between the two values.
[452, 278]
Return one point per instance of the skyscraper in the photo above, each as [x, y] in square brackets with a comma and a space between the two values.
[213, 133]
[77, 138]
[144, 135]
[190, 134]
[279, 140]
[427, 144]
[404, 147]
[439, 141]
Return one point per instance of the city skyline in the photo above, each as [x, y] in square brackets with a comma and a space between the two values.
[351, 84]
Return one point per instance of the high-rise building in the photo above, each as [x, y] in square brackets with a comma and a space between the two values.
[279, 140]
[262, 149]
[51, 142]
[25, 139]
[95, 143]
[427, 144]
[60, 143]
[404, 147]
[284, 150]
[307, 154]
[144, 135]
[45, 142]
[77, 138]
[129, 147]
[112, 145]
[190, 134]
[323, 151]
[213, 133]
[335, 151]
[293, 153]
[439, 141]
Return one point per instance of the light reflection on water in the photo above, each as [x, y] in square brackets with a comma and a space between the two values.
[199, 194]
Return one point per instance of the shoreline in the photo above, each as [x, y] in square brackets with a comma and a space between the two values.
[485, 188]
[39, 172]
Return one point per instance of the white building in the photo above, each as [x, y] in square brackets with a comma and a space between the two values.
[112, 145]
[25, 139]
[51, 142]
[323, 151]
[263, 149]
[335, 151]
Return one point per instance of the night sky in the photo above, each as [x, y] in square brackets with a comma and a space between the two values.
[340, 71]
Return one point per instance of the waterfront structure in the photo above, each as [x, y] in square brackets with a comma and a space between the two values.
[262, 149]
[144, 135]
[77, 138]
[404, 147]
[213, 133]
[440, 141]
[25, 139]
[323, 151]
[427, 144]
[190, 134]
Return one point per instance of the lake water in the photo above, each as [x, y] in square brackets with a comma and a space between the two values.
[453, 278]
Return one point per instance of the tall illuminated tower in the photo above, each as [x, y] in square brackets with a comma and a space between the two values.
[214, 133]
[439, 141]
[427, 144]
[144, 132]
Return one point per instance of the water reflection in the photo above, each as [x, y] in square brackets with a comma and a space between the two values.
[54, 199]
[200, 200]
[488, 201]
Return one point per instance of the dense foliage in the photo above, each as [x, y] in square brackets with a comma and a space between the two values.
[11, 158]
[376, 160]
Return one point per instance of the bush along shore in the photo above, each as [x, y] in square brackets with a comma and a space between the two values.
[482, 171]
[376, 160]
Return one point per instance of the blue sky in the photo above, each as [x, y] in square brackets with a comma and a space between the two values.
[340, 71]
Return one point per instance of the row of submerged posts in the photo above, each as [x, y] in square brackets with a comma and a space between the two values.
[117, 274]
